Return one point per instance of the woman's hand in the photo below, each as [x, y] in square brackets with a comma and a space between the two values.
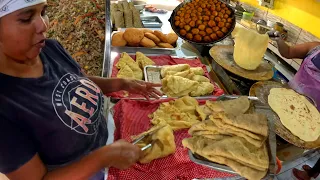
[140, 87]
[124, 154]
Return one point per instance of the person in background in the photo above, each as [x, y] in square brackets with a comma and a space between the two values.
[306, 81]
[52, 124]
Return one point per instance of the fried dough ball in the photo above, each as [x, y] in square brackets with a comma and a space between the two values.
[220, 34]
[187, 16]
[199, 9]
[217, 19]
[176, 23]
[193, 14]
[181, 25]
[177, 18]
[220, 15]
[172, 38]
[211, 23]
[198, 22]
[215, 29]
[229, 20]
[209, 31]
[206, 18]
[189, 36]
[225, 16]
[208, 13]
[146, 42]
[188, 20]
[228, 25]
[228, 12]
[202, 27]
[212, 17]
[214, 36]
[223, 5]
[187, 27]
[183, 32]
[202, 33]
[179, 12]
[182, 15]
[118, 40]
[197, 38]
[213, 8]
[221, 24]
[194, 19]
[223, 11]
[224, 30]
[195, 31]
[161, 36]
[223, 20]
[165, 45]
[205, 23]
[153, 37]
[133, 35]
[206, 39]
[215, 13]
[192, 23]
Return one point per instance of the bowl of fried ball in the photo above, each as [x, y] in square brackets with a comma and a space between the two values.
[203, 22]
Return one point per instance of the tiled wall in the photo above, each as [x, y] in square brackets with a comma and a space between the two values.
[296, 35]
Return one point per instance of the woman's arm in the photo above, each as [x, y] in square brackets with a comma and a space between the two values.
[109, 85]
[120, 154]
[297, 51]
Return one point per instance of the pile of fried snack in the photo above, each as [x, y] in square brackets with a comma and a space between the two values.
[182, 80]
[128, 68]
[125, 15]
[232, 137]
[143, 37]
[222, 132]
[174, 115]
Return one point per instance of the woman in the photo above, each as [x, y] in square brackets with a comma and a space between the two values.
[306, 81]
[51, 121]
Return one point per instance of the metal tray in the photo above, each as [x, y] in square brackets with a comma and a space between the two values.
[162, 51]
[151, 21]
[176, 30]
[271, 142]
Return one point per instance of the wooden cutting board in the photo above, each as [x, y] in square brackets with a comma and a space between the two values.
[223, 55]
[262, 90]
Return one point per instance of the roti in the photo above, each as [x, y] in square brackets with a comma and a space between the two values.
[296, 113]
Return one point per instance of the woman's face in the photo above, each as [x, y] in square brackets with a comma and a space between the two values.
[22, 33]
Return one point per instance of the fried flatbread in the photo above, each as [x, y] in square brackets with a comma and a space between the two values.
[233, 107]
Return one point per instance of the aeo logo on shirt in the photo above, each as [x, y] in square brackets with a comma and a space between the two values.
[78, 102]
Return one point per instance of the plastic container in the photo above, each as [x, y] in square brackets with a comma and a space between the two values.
[247, 16]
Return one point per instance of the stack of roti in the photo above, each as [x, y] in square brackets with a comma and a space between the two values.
[233, 137]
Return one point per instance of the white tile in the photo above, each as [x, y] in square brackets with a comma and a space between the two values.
[311, 162]
[290, 165]
[310, 155]
[285, 176]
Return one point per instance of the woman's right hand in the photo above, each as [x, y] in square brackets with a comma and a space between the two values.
[124, 154]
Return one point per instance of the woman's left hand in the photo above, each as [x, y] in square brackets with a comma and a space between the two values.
[141, 87]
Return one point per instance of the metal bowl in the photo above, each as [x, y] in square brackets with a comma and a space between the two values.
[176, 29]
[139, 5]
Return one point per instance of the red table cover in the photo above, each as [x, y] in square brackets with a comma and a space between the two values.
[131, 118]
[161, 61]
